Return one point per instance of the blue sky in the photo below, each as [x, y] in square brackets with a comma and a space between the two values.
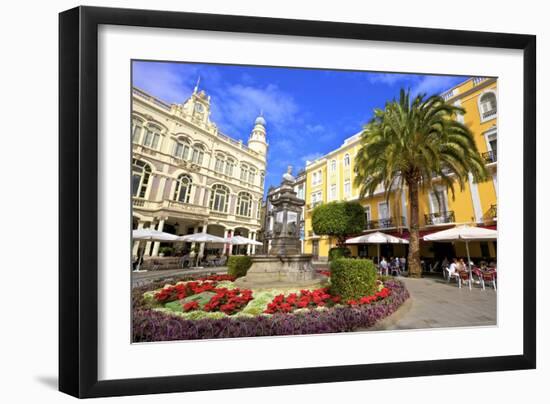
[308, 112]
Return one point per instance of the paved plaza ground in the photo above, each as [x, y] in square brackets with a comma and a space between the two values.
[434, 303]
[145, 277]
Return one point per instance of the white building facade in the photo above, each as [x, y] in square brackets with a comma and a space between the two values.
[188, 177]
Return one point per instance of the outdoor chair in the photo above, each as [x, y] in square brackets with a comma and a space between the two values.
[489, 276]
[463, 277]
[452, 275]
[394, 269]
[185, 261]
[220, 262]
[478, 273]
[433, 268]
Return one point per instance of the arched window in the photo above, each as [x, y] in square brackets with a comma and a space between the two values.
[333, 166]
[137, 128]
[244, 172]
[219, 164]
[141, 173]
[229, 167]
[252, 175]
[259, 209]
[183, 188]
[182, 148]
[219, 198]
[244, 204]
[262, 179]
[488, 105]
[346, 160]
[152, 137]
[198, 154]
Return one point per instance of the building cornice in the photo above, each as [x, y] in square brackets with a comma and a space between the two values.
[346, 145]
[472, 90]
[161, 107]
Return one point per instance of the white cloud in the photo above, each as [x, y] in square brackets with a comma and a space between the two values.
[315, 128]
[432, 85]
[428, 84]
[386, 78]
[283, 145]
[310, 157]
[239, 105]
[163, 81]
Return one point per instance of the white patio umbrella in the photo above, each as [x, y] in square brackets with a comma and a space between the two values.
[202, 238]
[151, 235]
[377, 238]
[240, 240]
[464, 233]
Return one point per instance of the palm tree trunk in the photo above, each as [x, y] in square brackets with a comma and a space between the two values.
[415, 270]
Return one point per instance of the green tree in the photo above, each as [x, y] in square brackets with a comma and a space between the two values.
[338, 219]
[414, 145]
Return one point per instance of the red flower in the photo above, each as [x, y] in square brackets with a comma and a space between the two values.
[190, 306]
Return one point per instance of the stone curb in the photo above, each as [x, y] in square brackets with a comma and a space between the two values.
[388, 322]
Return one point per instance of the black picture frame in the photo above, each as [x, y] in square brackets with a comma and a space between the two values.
[78, 201]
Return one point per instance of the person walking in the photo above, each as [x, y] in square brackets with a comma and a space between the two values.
[384, 266]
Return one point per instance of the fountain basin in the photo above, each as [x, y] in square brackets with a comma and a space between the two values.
[278, 271]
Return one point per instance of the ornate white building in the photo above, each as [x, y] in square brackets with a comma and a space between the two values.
[188, 177]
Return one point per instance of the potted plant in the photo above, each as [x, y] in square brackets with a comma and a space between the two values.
[165, 251]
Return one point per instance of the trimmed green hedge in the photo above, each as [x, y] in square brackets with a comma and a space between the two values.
[352, 278]
[338, 252]
[238, 265]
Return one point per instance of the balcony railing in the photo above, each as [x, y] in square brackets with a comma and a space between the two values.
[490, 156]
[185, 207]
[478, 80]
[439, 218]
[314, 204]
[385, 223]
[493, 212]
[150, 98]
[489, 114]
[170, 205]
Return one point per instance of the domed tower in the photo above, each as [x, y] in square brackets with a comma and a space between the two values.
[257, 140]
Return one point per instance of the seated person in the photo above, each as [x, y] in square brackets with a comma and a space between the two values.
[454, 268]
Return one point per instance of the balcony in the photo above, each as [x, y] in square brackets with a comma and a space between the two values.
[170, 205]
[150, 98]
[436, 218]
[386, 223]
[479, 80]
[145, 204]
[313, 205]
[489, 114]
[185, 207]
[492, 213]
[489, 157]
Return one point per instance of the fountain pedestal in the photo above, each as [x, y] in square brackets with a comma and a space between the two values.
[268, 271]
[284, 265]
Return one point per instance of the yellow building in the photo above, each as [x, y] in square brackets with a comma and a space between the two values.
[330, 178]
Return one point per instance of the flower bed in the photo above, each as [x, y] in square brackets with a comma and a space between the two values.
[302, 300]
[154, 325]
[307, 299]
[226, 300]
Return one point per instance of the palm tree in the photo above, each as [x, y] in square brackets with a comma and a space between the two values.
[416, 145]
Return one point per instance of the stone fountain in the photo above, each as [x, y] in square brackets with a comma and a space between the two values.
[284, 265]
